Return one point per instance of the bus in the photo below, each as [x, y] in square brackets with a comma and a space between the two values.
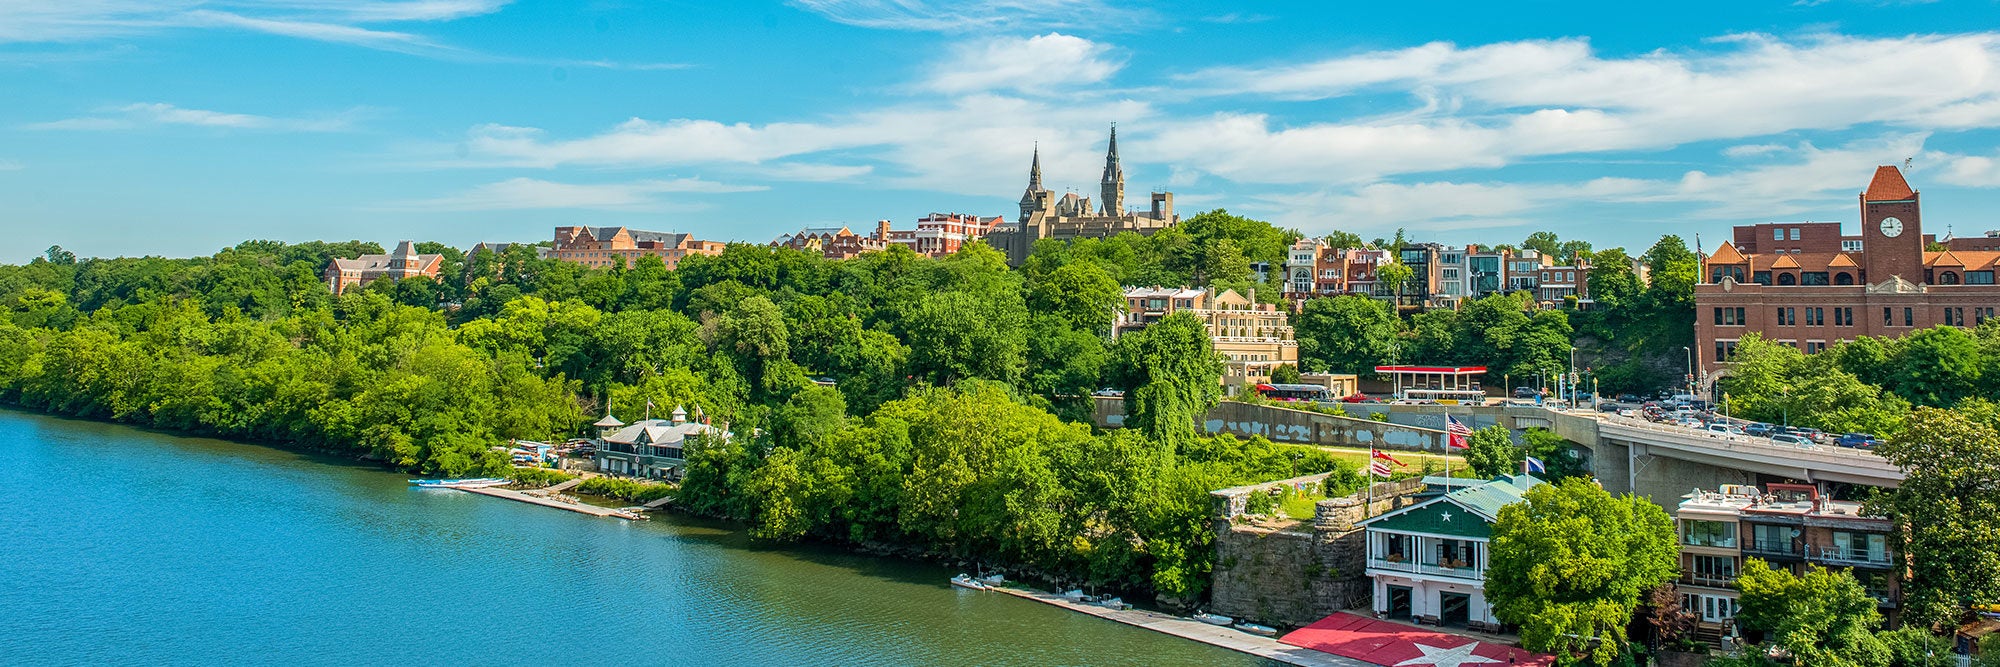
[1295, 392]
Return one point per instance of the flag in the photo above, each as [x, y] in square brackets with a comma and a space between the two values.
[1535, 465]
[1386, 457]
[1457, 431]
[1378, 469]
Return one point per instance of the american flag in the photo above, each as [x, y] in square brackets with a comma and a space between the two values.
[1378, 469]
[1457, 432]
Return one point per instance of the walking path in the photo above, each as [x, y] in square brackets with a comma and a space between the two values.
[565, 486]
[592, 510]
[1234, 640]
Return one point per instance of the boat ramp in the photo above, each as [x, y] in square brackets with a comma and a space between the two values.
[584, 508]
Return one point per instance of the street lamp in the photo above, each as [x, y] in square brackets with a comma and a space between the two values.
[1572, 376]
[1690, 374]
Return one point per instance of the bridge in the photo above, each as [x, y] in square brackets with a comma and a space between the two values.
[1658, 461]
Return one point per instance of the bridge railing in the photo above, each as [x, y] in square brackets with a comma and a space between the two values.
[1750, 445]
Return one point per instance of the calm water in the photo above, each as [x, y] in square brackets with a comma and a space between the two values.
[123, 546]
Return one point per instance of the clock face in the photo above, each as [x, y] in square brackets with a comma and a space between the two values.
[1892, 227]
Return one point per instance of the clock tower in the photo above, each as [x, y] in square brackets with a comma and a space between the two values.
[1892, 229]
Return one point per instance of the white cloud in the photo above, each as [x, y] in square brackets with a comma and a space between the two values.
[11, 165]
[1054, 64]
[1488, 106]
[155, 114]
[970, 15]
[530, 193]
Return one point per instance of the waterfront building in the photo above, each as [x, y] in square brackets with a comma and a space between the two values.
[1787, 525]
[1428, 561]
[601, 247]
[649, 448]
[1071, 216]
[1255, 338]
[1809, 285]
[404, 262]
[835, 242]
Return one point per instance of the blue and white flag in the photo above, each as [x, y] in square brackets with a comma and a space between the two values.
[1535, 465]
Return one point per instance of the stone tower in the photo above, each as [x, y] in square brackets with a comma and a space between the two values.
[1031, 200]
[1113, 184]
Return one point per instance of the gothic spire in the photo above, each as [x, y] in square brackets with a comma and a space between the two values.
[1111, 169]
[1113, 185]
[1035, 172]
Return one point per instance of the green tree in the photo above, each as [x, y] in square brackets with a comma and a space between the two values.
[1171, 376]
[1545, 243]
[1394, 275]
[1570, 562]
[1611, 281]
[1286, 374]
[1823, 619]
[1917, 647]
[1084, 295]
[1947, 512]
[1936, 367]
[1346, 334]
[753, 333]
[1491, 453]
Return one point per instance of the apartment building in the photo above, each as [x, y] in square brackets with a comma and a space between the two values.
[603, 247]
[1788, 526]
[1809, 285]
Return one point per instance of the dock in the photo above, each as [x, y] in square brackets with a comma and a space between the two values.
[592, 510]
[1267, 648]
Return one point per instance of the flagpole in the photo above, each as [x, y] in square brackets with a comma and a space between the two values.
[1368, 475]
[1448, 436]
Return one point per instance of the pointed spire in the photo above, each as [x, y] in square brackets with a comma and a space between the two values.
[1111, 169]
[1113, 185]
[1035, 172]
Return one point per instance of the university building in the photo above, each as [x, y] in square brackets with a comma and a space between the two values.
[602, 247]
[1254, 337]
[1071, 216]
[1809, 285]
[835, 242]
[404, 262]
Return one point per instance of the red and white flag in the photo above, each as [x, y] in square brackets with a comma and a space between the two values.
[1378, 469]
[1456, 433]
[1382, 455]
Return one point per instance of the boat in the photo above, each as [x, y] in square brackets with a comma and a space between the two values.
[474, 483]
[965, 581]
[1077, 595]
[1214, 619]
[1113, 603]
[1255, 629]
[992, 580]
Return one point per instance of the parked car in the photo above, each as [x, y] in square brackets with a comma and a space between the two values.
[1857, 440]
[1524, 392]
[1607, 407]
[1723, 429]
[1628, 412]
[1628, 398]
[1759, 429]
[1813, 434]
[1791, 439]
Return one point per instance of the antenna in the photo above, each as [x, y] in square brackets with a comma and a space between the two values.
[1907, 161]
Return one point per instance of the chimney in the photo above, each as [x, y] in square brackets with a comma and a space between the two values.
[882, 230]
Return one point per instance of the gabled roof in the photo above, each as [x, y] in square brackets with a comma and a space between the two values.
[1843, 261]
[1888, 186]
[1482, 502]
[657, 432]
[1727, 254]
[1785, 262]
[1945, 258]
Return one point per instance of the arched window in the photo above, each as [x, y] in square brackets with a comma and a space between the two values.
[1843, 278]
[1788, 279]
[1949, 278]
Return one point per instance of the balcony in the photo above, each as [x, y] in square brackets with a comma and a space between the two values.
[1772, 548]
[1709, 580]
[1467, 572]
[1850, 557]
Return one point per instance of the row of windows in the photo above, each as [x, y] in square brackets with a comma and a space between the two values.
[1844, 316]
[1778, 233]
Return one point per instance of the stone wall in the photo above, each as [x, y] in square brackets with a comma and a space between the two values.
[1299, 426]
[1294, 576]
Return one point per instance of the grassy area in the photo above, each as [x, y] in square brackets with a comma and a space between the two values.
[1414, 461]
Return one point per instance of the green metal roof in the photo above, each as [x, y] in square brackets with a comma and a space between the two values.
[1467, 512]
[1488, 498]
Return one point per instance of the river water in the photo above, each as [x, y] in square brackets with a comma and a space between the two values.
[124, 546]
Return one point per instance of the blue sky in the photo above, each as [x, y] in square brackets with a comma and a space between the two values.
[182, 126]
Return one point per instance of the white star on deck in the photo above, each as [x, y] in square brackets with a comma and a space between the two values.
[1446, 657]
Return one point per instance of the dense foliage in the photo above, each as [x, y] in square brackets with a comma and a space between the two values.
[1822, 619]
[1570, 564]
[1866, 385]
[1947, 510]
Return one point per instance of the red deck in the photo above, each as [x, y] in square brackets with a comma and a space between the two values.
[1395, 645]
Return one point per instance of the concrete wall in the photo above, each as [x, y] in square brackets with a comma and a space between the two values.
[1293, 577]
[1297, 426]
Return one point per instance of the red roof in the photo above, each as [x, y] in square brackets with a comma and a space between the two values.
[1385, 643]
[1448, 370]
[1888, 186]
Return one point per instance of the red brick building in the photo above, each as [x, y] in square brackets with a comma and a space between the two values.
[402, 263]
[834, 242]
[1808, 285]
[601, 247]
[942, 234]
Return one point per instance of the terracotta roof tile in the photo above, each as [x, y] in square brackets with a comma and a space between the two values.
[1843, 261]
[1888, 186]
[1785, 262]
[1726, 254]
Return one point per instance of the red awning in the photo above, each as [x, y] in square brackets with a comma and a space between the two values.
[1446, 370]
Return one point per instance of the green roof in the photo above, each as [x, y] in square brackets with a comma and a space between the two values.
[1467, 512]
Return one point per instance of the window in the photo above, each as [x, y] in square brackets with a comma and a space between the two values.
[1850, 246]
[1761, 278]
[1843, 278]
[1724, 350]
[1788, 278]
[1979, 277]
[1771, 539]
[1815, 346]
[1981, 315]
[1815, 317]
[1711, 570]
[1955, 317]
[1843, 317]
[1887, 320]
[1708, 533]
[1813, 278]
[1795, 233]
[1949, 278]
[1788, 316]
[1731, 272]
[1777, 234]
[1870, 547]
[1909, 317]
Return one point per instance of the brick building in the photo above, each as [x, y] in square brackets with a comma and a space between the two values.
[601, 247]
[1314, 269]
[1044, 215]
[1809, 285]
[404, 262]
[941, 234]
[835, 242]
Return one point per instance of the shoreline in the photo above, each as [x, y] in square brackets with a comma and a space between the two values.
[1267, 648]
